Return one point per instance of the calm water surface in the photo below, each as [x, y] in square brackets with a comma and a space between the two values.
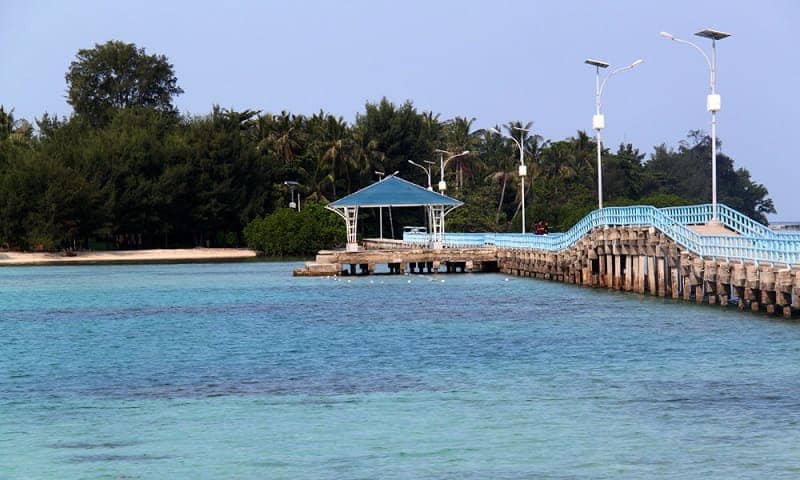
[241, 371]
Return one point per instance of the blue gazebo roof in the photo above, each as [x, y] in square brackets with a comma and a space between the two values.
[393, 191]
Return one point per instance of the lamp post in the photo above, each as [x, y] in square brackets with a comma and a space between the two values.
[713, 100]
[292, 185]
[598, 120]
[442, 184]
[523, 170]
[443, 163]
[427, 170]
[380, 209]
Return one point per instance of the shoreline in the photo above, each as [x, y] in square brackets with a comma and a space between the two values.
[177, 255]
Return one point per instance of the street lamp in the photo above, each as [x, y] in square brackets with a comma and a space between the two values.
[427, 170]
[598, 120]
[713, 100]
[380, 209]
[292, 185]
[523, 170]
[443, 163]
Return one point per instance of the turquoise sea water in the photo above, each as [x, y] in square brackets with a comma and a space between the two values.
[241, 371]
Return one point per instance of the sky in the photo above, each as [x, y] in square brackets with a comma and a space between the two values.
[496, 61]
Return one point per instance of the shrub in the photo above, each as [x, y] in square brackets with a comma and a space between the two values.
[289, 232]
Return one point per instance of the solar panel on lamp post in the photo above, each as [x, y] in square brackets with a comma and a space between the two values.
[713, 100]
[292, 184]
[598, 120]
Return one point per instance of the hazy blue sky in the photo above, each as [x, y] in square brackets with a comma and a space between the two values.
[496, 61]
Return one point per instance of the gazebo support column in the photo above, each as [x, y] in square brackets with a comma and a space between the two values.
[438, 213]
[350, 216]
[351, 222]
[436, 216]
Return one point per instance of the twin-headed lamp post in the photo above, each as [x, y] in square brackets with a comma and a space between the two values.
[598, 120]
[425, 169]
[713, 101]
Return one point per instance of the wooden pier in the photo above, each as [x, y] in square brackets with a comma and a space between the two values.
[401, 259]
[645, 261]
[632, 259]
[683, 253]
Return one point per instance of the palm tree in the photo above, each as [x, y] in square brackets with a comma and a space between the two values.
[284, 135]
[459, 138]
[501, 160]
[315, 180]
[583, 157]
[333, 145]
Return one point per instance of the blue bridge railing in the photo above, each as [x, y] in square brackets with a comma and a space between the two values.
[732, 219]
[753, 240]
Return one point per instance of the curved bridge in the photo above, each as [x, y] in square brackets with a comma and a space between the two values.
[744, 238]
[669, 252]
[672, 252]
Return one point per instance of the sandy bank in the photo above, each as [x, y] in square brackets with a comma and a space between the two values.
[128, 256]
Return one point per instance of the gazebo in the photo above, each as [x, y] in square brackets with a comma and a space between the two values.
[393, 191]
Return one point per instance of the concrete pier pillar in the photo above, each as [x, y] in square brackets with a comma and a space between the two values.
[628, 273]
[661, 277]
[676, 283]
[641, 274]
[601, 271]
[699, 296]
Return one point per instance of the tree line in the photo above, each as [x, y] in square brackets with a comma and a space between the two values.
[127, 170]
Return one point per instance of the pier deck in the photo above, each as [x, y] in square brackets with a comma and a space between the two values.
[404, 258]
[675, 252]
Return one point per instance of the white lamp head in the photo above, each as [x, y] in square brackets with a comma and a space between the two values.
[637, 62]
[668, 36]
[465, 152]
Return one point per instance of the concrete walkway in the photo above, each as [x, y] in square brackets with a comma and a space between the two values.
[712, 229]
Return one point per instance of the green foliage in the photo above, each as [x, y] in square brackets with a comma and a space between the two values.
[127, 171]
[289, 232]
[478, 214]
[118, 75]
[45, 205]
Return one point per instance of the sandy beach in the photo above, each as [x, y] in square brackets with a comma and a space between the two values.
[127, 256]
